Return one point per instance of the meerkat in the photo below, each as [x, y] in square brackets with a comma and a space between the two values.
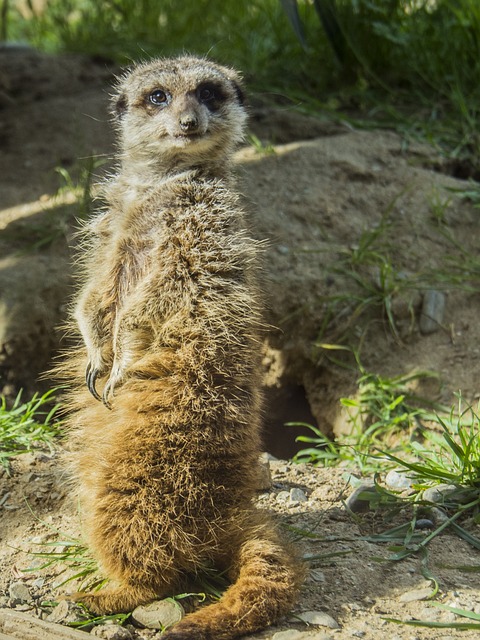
[166, 426]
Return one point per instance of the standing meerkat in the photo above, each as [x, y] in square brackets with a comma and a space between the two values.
[166, 431]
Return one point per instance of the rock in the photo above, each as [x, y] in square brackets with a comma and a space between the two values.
[433, 309]
[318, 618]
[416, 594]
[359, 500]
[297, 495]
[66, 612]
[159, 615]
[438, 515]
[289, 634]
[111, 632]
[283, 496]
[440, 493]
[398, 481]
[264, 479]
[317, 575]
[294, 634]
[424, 523]
[38, 583]
[19, 594]
[14, 624]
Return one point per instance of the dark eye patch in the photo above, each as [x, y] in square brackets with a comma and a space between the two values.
[211, 95]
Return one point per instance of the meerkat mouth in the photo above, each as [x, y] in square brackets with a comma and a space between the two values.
[190, 137]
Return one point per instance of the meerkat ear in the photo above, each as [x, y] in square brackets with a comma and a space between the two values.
[120, 105]
[239, 91]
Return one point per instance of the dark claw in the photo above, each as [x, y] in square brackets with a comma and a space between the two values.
[106, 393]
[91, 378]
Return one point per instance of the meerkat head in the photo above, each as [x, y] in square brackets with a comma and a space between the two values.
[183, 111]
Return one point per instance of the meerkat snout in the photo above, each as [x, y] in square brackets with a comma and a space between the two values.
[188, 118]
[188, 122]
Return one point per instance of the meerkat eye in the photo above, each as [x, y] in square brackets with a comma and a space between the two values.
[206, 93]
[158, 97]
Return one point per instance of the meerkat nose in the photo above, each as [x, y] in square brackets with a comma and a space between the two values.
[188, 122]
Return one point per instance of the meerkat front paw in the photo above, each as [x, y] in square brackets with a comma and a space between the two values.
[114, 600]
[115, 378]
[91, 376]
[98, 365]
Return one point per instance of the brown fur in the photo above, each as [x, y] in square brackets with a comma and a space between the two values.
[169, 314]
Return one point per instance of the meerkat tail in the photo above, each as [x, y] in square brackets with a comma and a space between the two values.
[267, 582]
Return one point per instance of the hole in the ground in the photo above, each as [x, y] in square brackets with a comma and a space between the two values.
[462, 169]
[287, 403]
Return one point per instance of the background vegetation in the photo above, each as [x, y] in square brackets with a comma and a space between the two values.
[409, 64]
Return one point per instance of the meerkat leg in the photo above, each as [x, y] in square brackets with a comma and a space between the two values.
[93, 321]
[267, 580]
[129, 340]
[116, 600]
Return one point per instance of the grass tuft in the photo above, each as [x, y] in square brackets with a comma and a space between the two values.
[27, 425]
[385, 413]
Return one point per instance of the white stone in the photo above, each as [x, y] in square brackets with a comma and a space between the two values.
[19, 593]
[111, 632]
[318, 618]
[294, 634]
[289, 634]
[158, 615]
[297, 495]
[416, 594]
[398, 481]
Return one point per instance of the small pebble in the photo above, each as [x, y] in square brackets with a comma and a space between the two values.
[358, 501]
[283, 496]
[316, 575]
[111, 632]
[433, 310]
[38, 583]
[438, 515]
[398, 481]
[19, 594]
[66, 612]
[318, 618]
[297, 495]
[289, 634]
[159, 615]
[439, 493]
[424, 523]
[294, 634]
[416, 594]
